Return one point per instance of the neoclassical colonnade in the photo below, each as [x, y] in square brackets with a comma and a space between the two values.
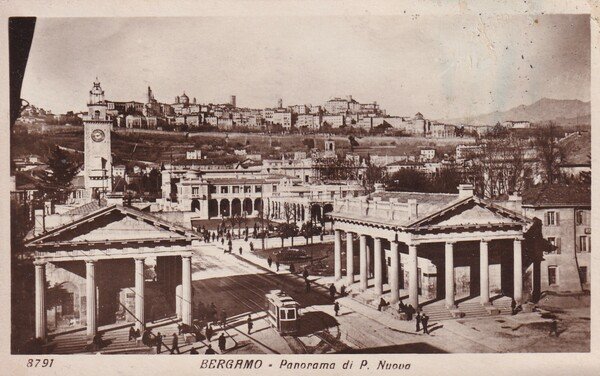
[183, 292]
[298, 212]
[409, 249]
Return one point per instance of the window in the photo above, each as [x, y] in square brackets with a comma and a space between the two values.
[552, 275]
[583, 274]
[274, 187]
[580, 217]
[213, 189]
[552, 218]
[583, 244]
[235, 189]
[291, 314]
[282, 314]
[247, 189]
[224, 189]
[555, 243]
[258, 188]
[195, 190]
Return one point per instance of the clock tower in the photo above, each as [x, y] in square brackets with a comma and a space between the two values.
[97, 158]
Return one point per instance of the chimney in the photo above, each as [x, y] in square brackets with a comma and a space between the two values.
[40, 222]
[515, 202]
[413, 208]
[465, 190]
[349, 98]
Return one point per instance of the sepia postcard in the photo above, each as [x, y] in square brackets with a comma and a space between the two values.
[299, 187]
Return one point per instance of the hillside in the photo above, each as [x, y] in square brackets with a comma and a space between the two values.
[562, 111]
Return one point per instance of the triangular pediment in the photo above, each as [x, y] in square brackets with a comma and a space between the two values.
[114, 224]
[471, 213]
[126, 228]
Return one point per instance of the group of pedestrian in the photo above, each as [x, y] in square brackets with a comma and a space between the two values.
[134, 333]
[408, 310]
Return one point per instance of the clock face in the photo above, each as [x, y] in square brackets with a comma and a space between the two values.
[97, 135]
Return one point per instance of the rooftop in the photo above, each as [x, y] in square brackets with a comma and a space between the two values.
[558, 195]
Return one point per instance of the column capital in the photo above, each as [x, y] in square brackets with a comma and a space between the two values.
[484, 241]
[91, 261]
[186, 256]
[413, 244]
[450, 242]
[140, 258]
[519, 239]
[40, 263]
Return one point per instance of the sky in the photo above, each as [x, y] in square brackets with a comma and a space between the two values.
[442, 66]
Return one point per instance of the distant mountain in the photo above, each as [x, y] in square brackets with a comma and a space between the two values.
[543, 110]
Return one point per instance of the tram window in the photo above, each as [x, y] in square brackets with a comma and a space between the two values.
[291, 314]
[282, 314]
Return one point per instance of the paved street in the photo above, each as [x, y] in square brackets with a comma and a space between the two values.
[239, 284]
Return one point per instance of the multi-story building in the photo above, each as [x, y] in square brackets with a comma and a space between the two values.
[565, 215]
[282, 118]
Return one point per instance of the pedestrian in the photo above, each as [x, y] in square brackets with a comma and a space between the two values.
[292, 268]
[210, 350]
[554, 328]
[137, 333]
[175, 344]
[277, 264]
[209, 332]
[250, 324]
[213, 312]
[382, 303]
[240, 251]
[418, 319]
[223, 318]
[513, 305]
[409, 312]
[270, 261]
[343, 290]
[336, 307]
[131, 333]
[332, 291]
[305, 273]
[251, 246]
[222, 241]
[222, 342]
[193, 351]
[158, 342]
[425, 321]
[307, 282]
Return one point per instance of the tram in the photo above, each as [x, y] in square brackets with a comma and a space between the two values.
[282, 312]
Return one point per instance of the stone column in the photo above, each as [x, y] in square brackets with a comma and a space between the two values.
[90, 284]
[394, 271]
[349, 259]
[484, 273]
[449, 275]
[178, 298]
[413, 275]
[186, 282]
[40, 299]
[518, 271]
[377, 267]
[139, 294]
[337, 255]
[363, 263]
[368, 262]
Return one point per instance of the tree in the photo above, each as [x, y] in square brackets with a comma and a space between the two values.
[62, 170]
[287, 230]
[373, 174]
[549, 151]
[408, 180]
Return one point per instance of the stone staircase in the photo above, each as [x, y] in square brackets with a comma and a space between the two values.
[437, 310]
[117, 341]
